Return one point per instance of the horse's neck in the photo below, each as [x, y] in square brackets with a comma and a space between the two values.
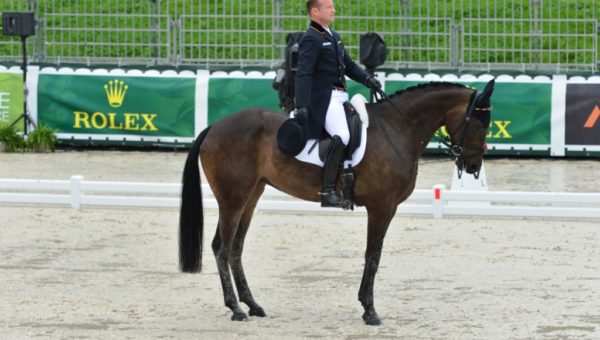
[417, 122]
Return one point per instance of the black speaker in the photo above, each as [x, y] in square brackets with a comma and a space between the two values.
[373, 50]
[21, 24]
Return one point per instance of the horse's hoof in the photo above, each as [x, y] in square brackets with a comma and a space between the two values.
[258, 311]
[240, 316]
[371, 319]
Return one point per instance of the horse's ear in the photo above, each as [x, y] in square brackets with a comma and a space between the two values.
[489, 88]
[486, 94]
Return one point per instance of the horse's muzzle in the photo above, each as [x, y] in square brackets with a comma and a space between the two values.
[471, 165]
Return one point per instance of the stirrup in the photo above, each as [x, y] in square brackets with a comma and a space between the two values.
[330, 199]
[339, 202]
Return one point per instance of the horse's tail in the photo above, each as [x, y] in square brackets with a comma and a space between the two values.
[191, 216]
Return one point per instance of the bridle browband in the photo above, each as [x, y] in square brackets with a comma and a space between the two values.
[457, 150]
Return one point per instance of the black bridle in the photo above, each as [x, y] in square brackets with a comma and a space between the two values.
[457, 150]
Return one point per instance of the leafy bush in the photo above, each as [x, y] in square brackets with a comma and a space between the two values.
[42, 139]
[10, 138]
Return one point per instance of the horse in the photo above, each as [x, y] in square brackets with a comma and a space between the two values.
[239, 156]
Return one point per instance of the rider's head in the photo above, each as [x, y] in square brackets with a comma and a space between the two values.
[321, 11]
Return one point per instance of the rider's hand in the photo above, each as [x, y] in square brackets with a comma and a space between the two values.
[301, 115]
[373, 83]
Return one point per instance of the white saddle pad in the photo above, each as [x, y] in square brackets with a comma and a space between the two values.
[312, 156]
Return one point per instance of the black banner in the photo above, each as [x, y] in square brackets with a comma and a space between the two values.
[582, 116]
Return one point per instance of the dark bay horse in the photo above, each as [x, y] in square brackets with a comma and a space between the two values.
[239, 156]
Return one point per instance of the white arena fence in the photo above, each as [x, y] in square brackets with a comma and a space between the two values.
[437, 202]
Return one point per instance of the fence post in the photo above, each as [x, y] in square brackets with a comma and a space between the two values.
[177, 52]
[76, 191]
[455, 45]
[154, 29]
[438, 200]
[278, 35]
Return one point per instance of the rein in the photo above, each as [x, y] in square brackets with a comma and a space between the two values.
[385, 96]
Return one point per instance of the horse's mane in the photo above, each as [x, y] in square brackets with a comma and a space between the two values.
[426, 85]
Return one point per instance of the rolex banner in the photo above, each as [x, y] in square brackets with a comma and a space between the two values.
[229, 95]
[11, 98]
[521, 111]
[554, 116]
[117, 105]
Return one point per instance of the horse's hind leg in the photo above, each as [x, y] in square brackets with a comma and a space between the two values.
[221, 245]
[236, 255]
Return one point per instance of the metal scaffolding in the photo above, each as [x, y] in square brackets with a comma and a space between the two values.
[557, 36]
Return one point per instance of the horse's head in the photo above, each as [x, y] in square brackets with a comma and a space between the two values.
[469, 129]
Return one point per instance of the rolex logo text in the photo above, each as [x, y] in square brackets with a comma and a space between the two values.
[115, 91]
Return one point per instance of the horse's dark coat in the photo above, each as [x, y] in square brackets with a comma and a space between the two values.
[240, 156]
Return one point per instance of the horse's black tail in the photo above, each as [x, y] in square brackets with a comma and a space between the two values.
[191, 216]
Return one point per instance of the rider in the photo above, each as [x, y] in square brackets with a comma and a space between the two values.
[321, 90]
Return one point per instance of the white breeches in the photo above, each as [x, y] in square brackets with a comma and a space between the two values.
[335, 121]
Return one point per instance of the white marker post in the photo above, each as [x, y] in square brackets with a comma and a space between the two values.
[468, 182]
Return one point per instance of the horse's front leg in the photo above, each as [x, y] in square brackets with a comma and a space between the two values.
[377, 228]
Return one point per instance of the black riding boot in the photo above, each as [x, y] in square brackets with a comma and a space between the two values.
[329, 197]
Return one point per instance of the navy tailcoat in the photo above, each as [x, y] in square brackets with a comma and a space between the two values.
[322, 64]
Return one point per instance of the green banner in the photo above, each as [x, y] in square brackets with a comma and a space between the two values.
[355, 88]
[117, 105]
[11, 98]
[521, 111]
[230, 95]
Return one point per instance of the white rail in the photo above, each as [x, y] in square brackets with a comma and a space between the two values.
[437, 202]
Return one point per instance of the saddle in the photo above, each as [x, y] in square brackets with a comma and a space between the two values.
[355, 128]
[292, 141]
[347, 174]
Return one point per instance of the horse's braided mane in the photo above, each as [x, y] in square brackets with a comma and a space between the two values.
[426, 85]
